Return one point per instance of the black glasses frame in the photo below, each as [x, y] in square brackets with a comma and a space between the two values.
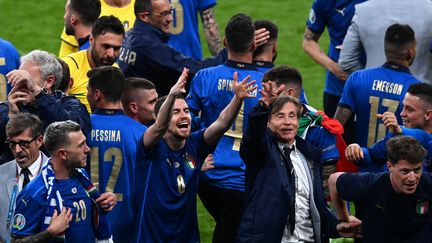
[22, 143]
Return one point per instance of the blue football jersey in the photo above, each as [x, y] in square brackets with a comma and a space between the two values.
[375, 156]
[374, 91]
[167, 192]
[184, 35]
[336, 15]
[116, 146]
[31, 209]
[211, 91]
[9, 60]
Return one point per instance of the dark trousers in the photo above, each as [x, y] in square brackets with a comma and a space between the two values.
[226, 207]
[330, 104]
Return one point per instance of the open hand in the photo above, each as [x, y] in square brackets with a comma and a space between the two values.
[208, 163]
[179, 86]
[353, 152]
[261, 37]
[60, 222]
[269, 93]
[243, 89]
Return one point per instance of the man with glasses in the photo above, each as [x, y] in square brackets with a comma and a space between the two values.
[24, 140]
[34, 91]
[146, 54]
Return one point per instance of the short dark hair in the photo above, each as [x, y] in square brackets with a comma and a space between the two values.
[109, 80]
[398, 39]
[21, 122]
[162, 99]
[405, 148]
[63, 84]
[289, 76]
[57, 135]
[106, 24]
[423, 91]
[282, 100]
[142, 6]
[239, 33]
[87, 10]
[271, 28]
[132, 84]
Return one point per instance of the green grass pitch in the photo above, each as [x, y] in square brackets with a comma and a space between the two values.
[33, 25]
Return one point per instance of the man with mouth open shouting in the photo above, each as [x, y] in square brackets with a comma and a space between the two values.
[417, 122]
[173, 158]
[396, 203]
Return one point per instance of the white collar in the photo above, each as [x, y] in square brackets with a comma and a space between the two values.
[282, 145]
[34, 167]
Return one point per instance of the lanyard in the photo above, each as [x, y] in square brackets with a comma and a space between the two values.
[14, 195]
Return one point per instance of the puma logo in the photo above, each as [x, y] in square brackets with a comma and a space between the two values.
[382, 208]
[24, 201]
[341, 11]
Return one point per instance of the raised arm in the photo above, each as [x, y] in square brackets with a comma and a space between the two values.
[211, 30]
[241, 90]
[314, 51]
[156, 131]
[253, 142]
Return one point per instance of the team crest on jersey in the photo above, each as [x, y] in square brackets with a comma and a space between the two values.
[19, 221]
[312, 16]
[190, 162]
[422, 207]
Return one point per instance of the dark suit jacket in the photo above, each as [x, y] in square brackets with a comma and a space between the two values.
[268, 188]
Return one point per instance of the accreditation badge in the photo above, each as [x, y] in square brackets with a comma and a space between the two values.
[422, 207]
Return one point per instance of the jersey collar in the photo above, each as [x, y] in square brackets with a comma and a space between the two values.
[83, 41]
[109, 112]
[263, 64]
[396, 67]
[240, 65]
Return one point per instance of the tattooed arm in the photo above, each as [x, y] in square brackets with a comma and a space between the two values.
[211, 30]
[59, 223]
[39, 237]
[343, 114]
[311, 47]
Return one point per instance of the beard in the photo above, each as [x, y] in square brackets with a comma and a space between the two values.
[178, 135]
[99, 61]
[69, 30]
